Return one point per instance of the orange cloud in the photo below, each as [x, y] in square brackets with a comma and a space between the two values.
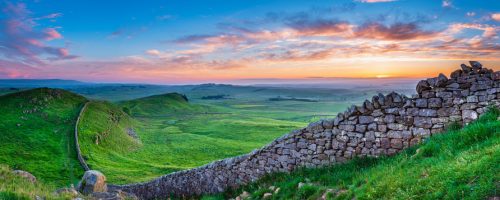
[496, 17]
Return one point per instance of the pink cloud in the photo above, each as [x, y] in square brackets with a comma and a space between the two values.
[23, 38]
[489, 31]
[52, 34]
[398, 31]
[496, 17]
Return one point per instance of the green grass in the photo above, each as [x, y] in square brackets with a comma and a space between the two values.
[163, 104]
[174, 135]
[36, 134]
[14, 187]
[460, 164]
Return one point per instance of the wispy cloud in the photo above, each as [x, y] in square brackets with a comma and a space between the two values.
[446, 4]
[24, 40]
[397, 31]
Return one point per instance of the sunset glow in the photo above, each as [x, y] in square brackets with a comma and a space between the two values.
[178, 42]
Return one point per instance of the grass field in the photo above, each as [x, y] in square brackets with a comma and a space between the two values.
[183, 131]
[460, 164]
[36, 129]
[176, 135]
[174, 131]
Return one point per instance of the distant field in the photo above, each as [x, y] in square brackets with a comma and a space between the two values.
[170, 142]
[133, 139]
[176, 134]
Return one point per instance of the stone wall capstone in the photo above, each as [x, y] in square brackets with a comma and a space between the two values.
[384, 125]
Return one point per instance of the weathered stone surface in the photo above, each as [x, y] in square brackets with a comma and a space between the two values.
[396, 126]
[427, 113]
[472, 99]
[455, 74]
[389, 119]
[360, 128]
[441, 80]
[435, 103]
[365, 119]
[469, 115]
[453, 86]
[422, 122]
[423, 85]
[465, 68]
[421, 103]
[28, 176]
[475, 65]
[92, 181]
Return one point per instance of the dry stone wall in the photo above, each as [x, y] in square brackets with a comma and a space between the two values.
[384, 125]
[82, 161]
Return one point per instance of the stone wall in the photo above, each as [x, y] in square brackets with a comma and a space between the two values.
[384, 125]
[82, 161]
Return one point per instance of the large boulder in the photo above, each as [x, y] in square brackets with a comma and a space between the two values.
[25, 175]
[92, 181]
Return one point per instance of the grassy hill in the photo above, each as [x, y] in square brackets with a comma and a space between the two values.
[163, 104]
[36, 133]
[173, 134]
[461, 164]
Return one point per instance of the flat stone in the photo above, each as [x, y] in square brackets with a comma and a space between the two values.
[365, 119]
[389, 119]
[472, 99]
[427, 113]
[421, 103]
[435, 102]
[422, 122]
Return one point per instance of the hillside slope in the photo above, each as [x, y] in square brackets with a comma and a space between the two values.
[460, 164]
[163, 104]
[36, 129]
[173, 135]
[106, 137]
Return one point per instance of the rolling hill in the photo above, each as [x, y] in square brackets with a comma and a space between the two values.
[159, 105]
[172, 134]
[36, 129]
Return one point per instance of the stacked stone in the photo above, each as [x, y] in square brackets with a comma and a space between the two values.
[384, 125]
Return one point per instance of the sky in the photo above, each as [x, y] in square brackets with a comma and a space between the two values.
[186, 42]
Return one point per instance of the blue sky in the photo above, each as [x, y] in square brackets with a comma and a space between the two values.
[220, 41]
